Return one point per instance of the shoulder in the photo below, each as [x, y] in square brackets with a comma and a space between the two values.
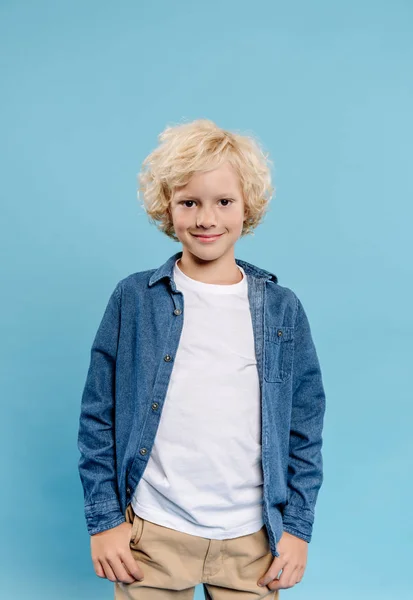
[276, 288]
[281, 299]
[284, 292]
[273, 285]
[135, 281]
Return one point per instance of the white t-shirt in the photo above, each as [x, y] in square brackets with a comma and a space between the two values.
[204, 475]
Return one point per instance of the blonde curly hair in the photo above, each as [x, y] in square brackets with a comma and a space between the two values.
[201, 145]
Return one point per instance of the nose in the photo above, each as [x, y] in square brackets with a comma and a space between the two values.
[205, 218]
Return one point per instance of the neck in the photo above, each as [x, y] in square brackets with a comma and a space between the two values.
[222, 271]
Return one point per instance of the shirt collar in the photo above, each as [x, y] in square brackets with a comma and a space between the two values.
[166, 270]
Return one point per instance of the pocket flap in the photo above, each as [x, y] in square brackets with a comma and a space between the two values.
[279, 333]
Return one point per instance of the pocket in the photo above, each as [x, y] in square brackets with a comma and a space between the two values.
[137, 530]
[279, 350]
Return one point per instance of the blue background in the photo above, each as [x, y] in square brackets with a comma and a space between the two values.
[327, 89]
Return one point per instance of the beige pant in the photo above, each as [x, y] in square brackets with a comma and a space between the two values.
[173, 563]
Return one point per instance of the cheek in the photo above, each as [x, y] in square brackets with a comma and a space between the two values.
[235, 221]
[181, 222]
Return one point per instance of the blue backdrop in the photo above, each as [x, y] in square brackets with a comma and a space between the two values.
[327, 88]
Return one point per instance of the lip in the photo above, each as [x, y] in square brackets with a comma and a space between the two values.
[205, 239]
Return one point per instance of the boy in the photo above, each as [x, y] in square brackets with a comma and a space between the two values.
[221, 490]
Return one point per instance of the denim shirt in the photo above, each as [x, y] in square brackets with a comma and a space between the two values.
[132, 357]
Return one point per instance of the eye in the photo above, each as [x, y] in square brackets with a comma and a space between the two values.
[222, 200]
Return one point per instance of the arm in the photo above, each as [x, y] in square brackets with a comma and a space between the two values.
[305, 468]
[96, 441]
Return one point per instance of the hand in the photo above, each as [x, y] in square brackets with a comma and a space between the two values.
[111, 555]
[292, 560]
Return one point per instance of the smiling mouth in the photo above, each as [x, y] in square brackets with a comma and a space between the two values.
[207, 236]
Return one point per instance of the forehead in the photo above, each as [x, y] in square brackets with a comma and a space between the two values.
[222, 180]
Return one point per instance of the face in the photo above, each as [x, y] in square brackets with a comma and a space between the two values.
[211, 204]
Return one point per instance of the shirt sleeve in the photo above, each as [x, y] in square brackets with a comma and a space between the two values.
[96, 441]
[305, 466]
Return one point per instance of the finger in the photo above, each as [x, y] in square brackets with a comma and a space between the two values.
[286, 580]
[119, 570]
[98, 568]
[299, 574]
[132, 566]
[109, 574]
[271, 574]
[294, 575]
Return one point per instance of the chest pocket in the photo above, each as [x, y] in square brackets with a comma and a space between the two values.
[278, 353]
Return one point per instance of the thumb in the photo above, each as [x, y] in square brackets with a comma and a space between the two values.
[271, 573]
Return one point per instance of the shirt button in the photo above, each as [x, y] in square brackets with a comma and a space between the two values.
[279, 333]
[177, 311]
[143, 451]
[155, 406]
[128, 491]
[167, 358]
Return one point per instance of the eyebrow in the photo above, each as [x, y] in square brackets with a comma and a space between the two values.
[181, 195]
